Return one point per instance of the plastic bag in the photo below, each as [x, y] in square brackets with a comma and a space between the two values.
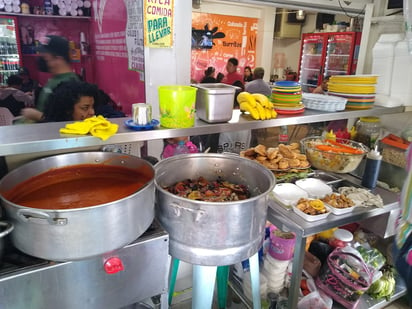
[234, 141]
[315, 300]
[345, 277]
[372, 257]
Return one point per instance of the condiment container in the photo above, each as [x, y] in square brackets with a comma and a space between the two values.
[282, 244]
[142, 113]
[372, 167]
[394, 150]
[341, 238]
[368, 130]
[330, 135]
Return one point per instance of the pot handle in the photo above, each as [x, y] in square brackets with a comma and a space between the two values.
[40, 217]
[197, 213]
[8, 228]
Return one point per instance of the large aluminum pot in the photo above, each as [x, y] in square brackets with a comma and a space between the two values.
[79, 233]
[205, 233]
[5, 229]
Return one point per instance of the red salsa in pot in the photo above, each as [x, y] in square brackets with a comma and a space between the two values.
[78, 186]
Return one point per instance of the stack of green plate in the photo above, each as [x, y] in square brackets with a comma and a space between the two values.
[287, 97]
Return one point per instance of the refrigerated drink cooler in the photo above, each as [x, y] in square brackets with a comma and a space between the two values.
[326, 54]
[10, 52]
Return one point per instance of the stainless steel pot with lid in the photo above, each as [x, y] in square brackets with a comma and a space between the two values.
[5, 229]
[221, 233]
[78, 233]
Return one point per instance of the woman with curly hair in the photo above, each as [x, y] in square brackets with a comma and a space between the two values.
[71, 101]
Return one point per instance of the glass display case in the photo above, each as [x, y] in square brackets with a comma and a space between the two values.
[326, 54]
[10, 54]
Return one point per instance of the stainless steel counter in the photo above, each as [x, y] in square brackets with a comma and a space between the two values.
[36, 138]
[40, 137]
[287, 220]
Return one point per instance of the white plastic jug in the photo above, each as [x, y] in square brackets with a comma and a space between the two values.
[401, 84]
[382, 61]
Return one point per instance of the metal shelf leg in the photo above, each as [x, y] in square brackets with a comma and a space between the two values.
[203, 285]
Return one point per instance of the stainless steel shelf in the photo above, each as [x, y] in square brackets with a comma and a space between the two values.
[45, 16]
[287, 220]
[291, 221]
[368, 302]
[40, 137]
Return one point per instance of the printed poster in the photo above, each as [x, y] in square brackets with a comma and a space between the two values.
[216, 38]
[134, 35]
[158, 23]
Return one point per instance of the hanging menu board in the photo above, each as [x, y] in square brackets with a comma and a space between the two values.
[134, 35]
[158, 23]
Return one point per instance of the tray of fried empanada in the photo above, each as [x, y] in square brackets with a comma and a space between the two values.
[281, 158]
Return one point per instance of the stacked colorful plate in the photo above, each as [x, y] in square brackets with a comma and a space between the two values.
[359, 90]
[287, 97]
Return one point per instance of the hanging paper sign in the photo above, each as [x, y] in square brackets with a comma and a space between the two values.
[134, 35]
[158, 23]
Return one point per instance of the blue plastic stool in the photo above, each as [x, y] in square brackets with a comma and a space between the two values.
[204, 278]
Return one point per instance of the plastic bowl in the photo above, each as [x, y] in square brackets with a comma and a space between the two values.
[337, 162]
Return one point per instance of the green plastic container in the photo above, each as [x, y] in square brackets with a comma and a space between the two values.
[177, 106]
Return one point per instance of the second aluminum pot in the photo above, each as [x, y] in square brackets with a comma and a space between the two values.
[79, 233]
[212, 234]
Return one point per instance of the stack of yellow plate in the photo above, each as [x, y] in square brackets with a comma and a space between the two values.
[354, 79]
[359, 90]
[287, 97]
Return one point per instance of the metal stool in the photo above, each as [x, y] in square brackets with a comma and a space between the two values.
[204, 278]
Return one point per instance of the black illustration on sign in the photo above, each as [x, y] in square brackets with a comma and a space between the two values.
[203, 38]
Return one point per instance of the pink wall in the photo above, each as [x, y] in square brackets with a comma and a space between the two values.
[108, 48]
[107, 63]
[69, 28]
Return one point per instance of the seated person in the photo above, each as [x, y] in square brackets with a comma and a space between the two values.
[323, 87]
[71, 101]
[170, 145]
[209, 76]
[107, 107]
[258, 85]
[28, 84]
[13, 98]
[219, 77]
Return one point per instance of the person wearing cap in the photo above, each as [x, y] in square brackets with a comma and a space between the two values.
[28, 85]
[258, 85]
[54, 58]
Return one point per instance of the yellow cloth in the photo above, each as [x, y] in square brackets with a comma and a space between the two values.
[96, 126]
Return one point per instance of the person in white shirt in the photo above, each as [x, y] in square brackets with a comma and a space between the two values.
[258, 85]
